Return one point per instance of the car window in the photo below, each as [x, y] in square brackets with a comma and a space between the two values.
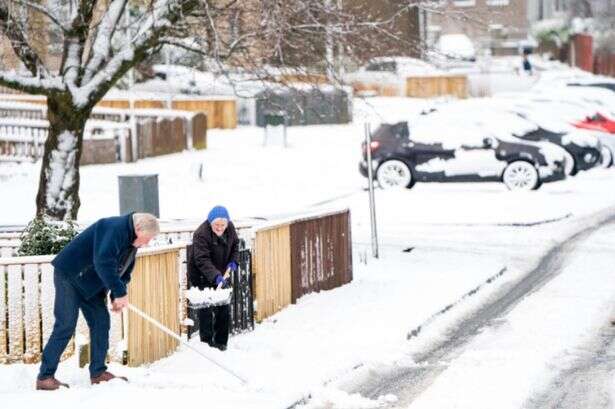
[398, 131]
[383, 66]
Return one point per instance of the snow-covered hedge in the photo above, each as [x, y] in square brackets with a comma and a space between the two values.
[42, 237]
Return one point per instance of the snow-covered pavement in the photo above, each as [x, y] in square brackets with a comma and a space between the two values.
[460, 235]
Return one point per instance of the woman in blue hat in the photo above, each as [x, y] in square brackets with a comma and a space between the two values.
[215, 249]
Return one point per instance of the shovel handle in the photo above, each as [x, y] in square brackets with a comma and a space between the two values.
[181, 341]
[226, 275]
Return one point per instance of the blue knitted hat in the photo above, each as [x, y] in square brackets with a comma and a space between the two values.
[218, 212]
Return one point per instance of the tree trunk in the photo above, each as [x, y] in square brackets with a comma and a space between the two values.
[58, 191]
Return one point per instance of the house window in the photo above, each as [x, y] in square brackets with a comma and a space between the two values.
[464, 3]
[498, 2]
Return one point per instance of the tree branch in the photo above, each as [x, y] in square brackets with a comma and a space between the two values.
[163, 15]
[43, 10]
[101, 47]
[19, 42]
[31, 85]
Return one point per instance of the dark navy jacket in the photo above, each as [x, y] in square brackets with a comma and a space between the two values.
[100, 258]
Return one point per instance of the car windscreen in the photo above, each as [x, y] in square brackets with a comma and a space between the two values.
[398, 131]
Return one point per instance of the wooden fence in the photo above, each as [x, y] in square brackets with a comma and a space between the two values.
[220, 111]
[604, 63]
[23, 139]
[272, 267]
[106, 141]
[289, 259]
[428, 86]
[27, 297]
[321, 253]
[9, 244]
[26, 308]
[299, 257]
[437, 85]
[166, 129]
[154, 289]
[363, 88]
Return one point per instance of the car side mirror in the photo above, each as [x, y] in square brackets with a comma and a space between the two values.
[489, 142]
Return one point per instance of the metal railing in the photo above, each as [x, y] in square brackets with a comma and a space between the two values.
[242, 301]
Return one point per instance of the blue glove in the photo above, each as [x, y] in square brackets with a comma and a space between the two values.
[233, 266]
[219, 279]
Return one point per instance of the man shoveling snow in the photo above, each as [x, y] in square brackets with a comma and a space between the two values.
[98, 261]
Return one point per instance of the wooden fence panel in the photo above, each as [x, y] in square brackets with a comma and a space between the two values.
[437, 85]
[27, 298]
[15, 316]
[47, 299]
[321, 256]
[199, 131]
[272, 268]
[220, 113]
[377, 89]
[154, 289]
[32, 315]
[3, 315]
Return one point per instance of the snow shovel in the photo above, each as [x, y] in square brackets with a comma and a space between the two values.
[225, 300]
[187, 345]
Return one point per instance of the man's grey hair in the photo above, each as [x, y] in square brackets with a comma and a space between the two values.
[146, 223]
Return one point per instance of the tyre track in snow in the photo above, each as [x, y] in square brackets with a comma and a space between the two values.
[409, 382]
[586, 384]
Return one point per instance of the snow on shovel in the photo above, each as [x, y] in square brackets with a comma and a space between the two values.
[178, 338]
[210, 297]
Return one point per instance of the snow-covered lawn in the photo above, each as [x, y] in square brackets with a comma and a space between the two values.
[460, 234]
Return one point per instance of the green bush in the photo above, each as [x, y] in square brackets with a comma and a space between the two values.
[44, 237]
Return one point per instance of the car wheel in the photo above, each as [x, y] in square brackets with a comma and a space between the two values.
[394, 173]
[606, 159]
[521, 175]
[571, 165]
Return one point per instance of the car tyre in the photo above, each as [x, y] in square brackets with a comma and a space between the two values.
[571, 165]
[606, 157]
[521, 175]
[394, 173]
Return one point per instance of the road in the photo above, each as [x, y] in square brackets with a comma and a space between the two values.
[587, 380]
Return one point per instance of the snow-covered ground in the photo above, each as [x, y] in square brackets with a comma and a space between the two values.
[459, 235]
[518, 358]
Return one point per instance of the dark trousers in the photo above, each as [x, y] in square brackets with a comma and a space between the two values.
[214, 324]
[66, 311]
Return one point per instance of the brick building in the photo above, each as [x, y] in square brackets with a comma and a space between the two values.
[499, 25]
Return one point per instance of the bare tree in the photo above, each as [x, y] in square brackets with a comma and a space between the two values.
[95, 54]
[258, 37]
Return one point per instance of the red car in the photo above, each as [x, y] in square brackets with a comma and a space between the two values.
[598, 122]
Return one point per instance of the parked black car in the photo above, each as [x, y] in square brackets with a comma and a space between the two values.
[606, 85]
[582, 157]
[400, 161]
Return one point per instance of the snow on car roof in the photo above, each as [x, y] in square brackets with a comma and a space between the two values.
[469, 123]
[456, 45]
[486, 113]
[572, 106]
[403, 60]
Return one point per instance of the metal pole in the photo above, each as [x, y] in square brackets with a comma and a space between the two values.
[370, 183]
[181, 341]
